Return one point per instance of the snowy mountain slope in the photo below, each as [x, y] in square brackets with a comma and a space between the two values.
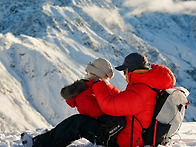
[20, 107]
[46, 44]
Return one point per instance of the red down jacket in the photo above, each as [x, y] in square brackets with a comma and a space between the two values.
[138, 99]
[86, 102]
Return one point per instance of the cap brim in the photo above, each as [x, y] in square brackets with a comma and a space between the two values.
[120, 68]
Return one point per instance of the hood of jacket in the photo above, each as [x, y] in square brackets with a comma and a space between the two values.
[159, 77]
[70, 91]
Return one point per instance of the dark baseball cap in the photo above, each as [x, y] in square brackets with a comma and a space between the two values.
[134, 61]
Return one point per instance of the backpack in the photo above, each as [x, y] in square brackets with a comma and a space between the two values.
[110, 127]
[168, 116]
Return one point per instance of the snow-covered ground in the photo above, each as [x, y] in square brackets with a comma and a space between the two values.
[186, 137]
[46, 44]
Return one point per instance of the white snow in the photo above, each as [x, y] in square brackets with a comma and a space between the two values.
[46, 44]
[186, 137]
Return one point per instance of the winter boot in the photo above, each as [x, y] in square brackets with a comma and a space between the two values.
[27, 140]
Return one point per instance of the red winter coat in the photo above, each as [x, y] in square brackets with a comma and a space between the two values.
[86, 102]
[138, 99]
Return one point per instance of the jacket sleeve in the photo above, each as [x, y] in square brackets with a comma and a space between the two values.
[90, 108]
[113, 90]
[71, 102]
[127, 102]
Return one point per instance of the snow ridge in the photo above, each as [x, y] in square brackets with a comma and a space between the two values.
[46, 44]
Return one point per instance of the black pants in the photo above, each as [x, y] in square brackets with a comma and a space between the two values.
[69, 130]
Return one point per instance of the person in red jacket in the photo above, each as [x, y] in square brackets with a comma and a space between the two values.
[80, 93]
[91, 123]
[138, 100]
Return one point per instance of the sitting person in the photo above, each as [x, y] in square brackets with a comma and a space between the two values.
[80, 94]
[91, 123]
[137, 101]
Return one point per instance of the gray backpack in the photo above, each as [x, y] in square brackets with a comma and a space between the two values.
[168, 116]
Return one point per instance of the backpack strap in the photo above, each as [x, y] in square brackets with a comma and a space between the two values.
[155, 133]
[132, 125]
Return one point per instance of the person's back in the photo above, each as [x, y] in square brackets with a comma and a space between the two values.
[138, 100]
